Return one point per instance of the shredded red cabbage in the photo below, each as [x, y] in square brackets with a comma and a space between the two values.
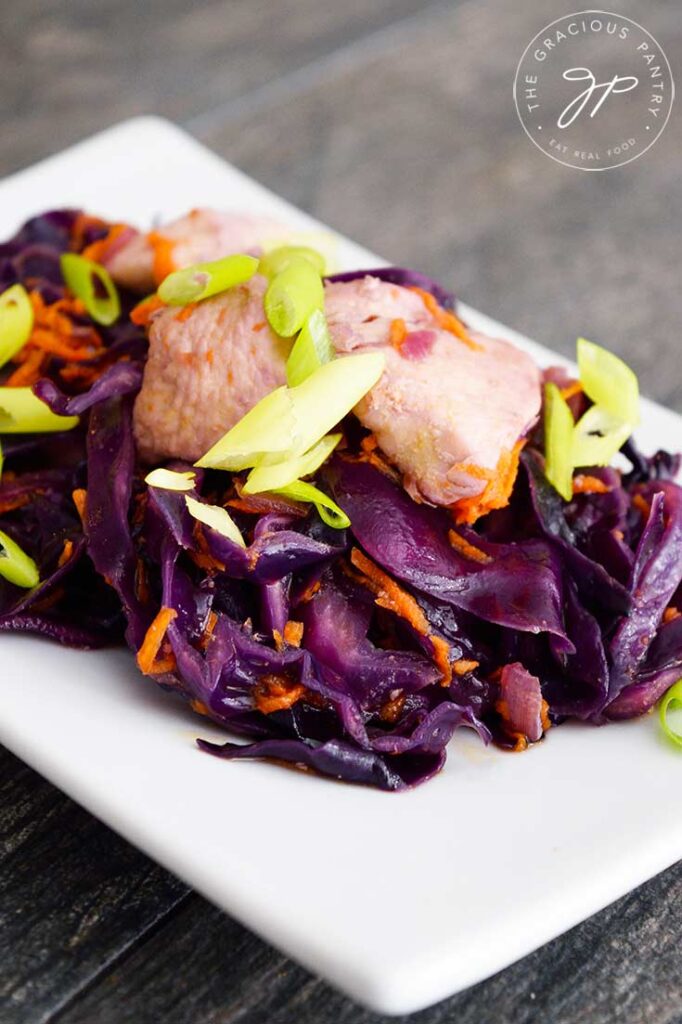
[568, 610]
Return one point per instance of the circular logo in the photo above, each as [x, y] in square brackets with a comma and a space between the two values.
[593, 90]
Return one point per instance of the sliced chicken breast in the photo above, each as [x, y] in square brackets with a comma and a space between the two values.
[141, 261]
[448, 410]
[207, 366]
[448, 413]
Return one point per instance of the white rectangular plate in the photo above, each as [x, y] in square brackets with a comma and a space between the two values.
[399, 900]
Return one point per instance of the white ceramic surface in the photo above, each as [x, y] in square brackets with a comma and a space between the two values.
[399, 900]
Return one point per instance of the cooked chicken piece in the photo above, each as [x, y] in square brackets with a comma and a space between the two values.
[207, 366]
[448, 410]
[448, 413]
[142, 261]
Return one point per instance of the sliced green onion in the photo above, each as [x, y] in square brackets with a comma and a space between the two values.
[277, 260]
[289, 421]
[608, 381]
[312, 349]
[82, 276]
[326, 243]
[558, 442]
[22, 412]
[292, 296]
[328, 510]
[671, 701]
[205, 279]
[218, 518]
[266, 430]
[169, 480]
[271, 478]
[16, 321]
[597, 437]
[15, 565]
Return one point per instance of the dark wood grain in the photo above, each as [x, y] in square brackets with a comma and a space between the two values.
[597, 974]
[394, 122]
[73, 895]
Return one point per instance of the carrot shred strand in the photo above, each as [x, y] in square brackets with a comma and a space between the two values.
[147, 658]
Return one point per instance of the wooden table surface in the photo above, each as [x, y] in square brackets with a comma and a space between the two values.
[394, 122]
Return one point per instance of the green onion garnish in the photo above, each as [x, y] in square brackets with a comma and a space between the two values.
[312, 348]
[169, 480]
[15, 565]
[218, 518]
[272, 478]
[608, 381]
[205, 279]
[265, 433]
[597, 437]
[671, 701]
[16, 321]
[277, 260]
[289, 421]
[292, 296]
[558, 442]
[22, 412]
[327, 509]
[88, 280]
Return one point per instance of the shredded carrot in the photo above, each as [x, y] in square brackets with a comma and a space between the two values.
[389, 595]
[390, 711]
[10, 504]
[544, 715]
[462, 666]
[99, 250]
[373, 455]
[80, 496]
[259, 326]
[147, 658]
[497, 491]
[28, 372]
[309, 592]
[211, 623]
[447, 320]
[571, 390]
[67, 552]
[77, 373]
[642, 505]
[585, 484]
[293, 633]
[397, 333]
[49, 601]
[141, 314]
[162, 249]
[185, 312]
[199, 707]
[274, 693]
[670, 614]
[82, 222]
[54, 333]
[467, 550]
[441, 657]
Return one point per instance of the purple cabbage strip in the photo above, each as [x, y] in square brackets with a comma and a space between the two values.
[111, 462]
[519, 588]
[656, 575]
[120, 379]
